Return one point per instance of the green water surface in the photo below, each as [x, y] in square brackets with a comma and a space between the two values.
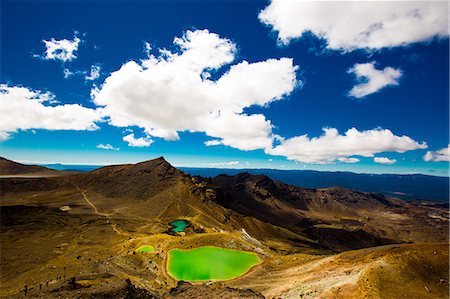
[179, 225]
[209, 263]
[145, 248]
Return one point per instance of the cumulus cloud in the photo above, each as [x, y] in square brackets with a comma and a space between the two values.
[384, 160]
[94, 73]
[137, 142]
[332, 146]
[350, 25]
[442, 155]
[172, 92]
[348, 160]
[107, 147]
[26, 109]
[63, 49]
[373, 79]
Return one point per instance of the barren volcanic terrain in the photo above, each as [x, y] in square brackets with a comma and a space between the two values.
[77, 234]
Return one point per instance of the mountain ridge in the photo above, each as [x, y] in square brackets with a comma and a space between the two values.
[405, 186]
[9, 167]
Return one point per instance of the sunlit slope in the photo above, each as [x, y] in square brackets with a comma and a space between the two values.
[393, 271]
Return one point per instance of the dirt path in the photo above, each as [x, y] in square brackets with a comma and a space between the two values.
[94, 208]
[108, 216]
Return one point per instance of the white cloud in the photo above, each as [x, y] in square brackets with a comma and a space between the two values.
[374, 79]
[68, 73]
[348, 160]
[107, 147]
[25, 109]
[147, 48]
[212, 142]
[331, 145]
[63, 49]
[94, 74]
[442, 155]
[137, 142]
[349, 25]
[231, 163]
[170, 93]
[4, 135]
[89, 75]
[384, 160]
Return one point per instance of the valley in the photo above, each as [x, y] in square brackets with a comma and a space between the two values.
[111, 232]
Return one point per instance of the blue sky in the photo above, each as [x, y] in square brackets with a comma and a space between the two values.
[296, 84]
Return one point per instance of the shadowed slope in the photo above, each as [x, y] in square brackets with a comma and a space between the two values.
[338, 218]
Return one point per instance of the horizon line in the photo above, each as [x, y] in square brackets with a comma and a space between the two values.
[41, 163]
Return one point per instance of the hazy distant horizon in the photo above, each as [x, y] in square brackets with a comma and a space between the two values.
[95, 166]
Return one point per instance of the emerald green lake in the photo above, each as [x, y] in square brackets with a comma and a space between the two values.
[209, 263]
[145, 248]
[179, 225]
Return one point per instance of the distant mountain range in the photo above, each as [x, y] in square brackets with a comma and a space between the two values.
[405, 186]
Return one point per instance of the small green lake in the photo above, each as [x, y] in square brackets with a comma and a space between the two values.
[145, 248]
[209, 263]
[179, 226]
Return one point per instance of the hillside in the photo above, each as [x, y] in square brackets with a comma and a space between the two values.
[8, 167]
[85, 229]
[337, 218]
[141, 180]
